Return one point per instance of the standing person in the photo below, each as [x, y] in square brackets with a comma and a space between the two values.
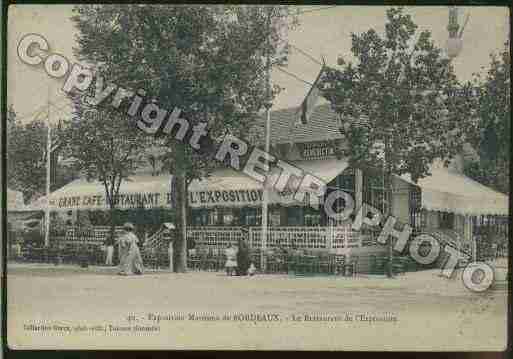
[109, 243]
[242, 258]
[130, 256]
[170, 253]
[231, 259]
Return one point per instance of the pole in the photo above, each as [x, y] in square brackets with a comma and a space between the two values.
[48, 156]
[388, 190]
[265, 197]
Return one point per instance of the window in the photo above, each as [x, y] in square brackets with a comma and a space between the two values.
[199, 217]
[295, 216]
[274, 218]
[312, 217]
[253, 217]
[213, 217]
[228, 217]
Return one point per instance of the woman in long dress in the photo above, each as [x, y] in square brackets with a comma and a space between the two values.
[130, 260]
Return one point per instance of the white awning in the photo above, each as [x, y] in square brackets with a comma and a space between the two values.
[230, 188]
[226, 188]
[449, 191]
[136, 191]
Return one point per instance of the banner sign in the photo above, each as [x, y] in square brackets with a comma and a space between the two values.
[223, 197]
[122, 201]
[241, 197]
[316, 151]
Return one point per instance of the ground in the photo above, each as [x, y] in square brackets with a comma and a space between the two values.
[431, 312]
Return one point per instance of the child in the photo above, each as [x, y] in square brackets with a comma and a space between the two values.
[251, 269]
[231, 259]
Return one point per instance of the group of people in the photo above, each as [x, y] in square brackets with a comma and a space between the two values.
[130, 260]
[238, 260]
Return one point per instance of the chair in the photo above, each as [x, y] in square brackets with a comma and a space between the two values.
[162, 259]
[194, 262]
[378, 264]
[25, 254]
[305, 264]
[351, 266]
[98, 256]
[203, 259]
[220, 260]
[291, 263]
[210, 261]
[68, 254]
[339, 266]
[399, 265]
[255, 259]
[37, 254]
[273, 262]
[325, 263]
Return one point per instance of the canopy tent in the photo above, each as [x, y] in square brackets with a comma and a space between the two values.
[224, 187]
[14, 200]
[446, 190]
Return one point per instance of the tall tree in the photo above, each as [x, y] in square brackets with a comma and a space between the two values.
[209, 61]
[106, 147]
[26, 153]
[25, 165]
[493, 135]
[398, 102]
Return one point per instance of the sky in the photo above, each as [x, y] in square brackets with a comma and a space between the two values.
[323, 32]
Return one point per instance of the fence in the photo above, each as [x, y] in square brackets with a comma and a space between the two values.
[286, 237]
[215, 236]
[95, 235]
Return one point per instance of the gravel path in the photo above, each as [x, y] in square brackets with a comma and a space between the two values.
[69, 307]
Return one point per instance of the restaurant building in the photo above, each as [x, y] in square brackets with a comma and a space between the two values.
[228, 200]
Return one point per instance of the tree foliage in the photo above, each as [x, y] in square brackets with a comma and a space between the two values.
[26, 154]
[493, 134]
[209, 61]
[105, 146]
[399, 100]
[26, 143]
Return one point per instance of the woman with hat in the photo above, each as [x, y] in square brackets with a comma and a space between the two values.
[130, 260]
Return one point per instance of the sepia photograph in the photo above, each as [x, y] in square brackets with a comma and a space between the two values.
[256, 177]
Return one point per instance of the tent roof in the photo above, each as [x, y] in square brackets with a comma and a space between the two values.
[449, 191]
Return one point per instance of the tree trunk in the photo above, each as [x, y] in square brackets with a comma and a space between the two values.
[180, 245]
[112, 230]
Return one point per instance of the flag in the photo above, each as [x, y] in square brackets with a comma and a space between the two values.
[308, 105]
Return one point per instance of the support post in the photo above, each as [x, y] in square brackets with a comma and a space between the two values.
[265, 197]
[48, 174]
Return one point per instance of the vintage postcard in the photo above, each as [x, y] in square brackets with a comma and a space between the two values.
[232, 177]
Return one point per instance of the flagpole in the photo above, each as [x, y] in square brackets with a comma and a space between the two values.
[48, 150]
[265, 197]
